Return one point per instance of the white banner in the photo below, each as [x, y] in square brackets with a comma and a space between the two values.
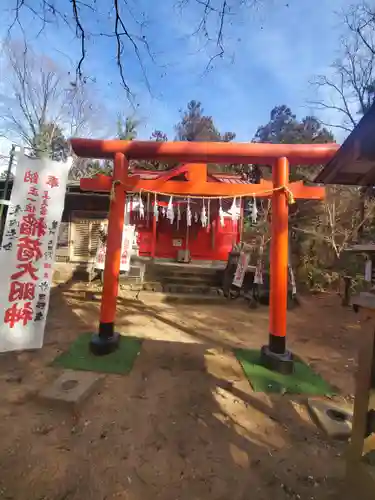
[242, 265]
[28, 250]
[128, 234]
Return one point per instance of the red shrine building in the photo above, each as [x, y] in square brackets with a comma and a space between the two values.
[215, 225]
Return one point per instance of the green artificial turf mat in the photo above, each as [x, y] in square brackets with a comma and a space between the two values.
[79, 357]
[302, 381]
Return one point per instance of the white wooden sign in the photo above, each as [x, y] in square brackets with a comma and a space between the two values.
[258, 275]
[128, 235]
[177, 242]
[28, 250]
[368, 270]
[242, 265]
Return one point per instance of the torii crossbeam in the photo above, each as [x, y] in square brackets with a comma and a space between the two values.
[275, 355]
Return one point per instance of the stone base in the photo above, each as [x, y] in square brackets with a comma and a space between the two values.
[71, 388]
[281, 363]
[335, 420]
[101, 345]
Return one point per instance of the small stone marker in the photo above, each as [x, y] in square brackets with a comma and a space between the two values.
[335, 420]
[72, 387]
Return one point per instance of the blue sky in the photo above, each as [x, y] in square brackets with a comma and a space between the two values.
[271, 53]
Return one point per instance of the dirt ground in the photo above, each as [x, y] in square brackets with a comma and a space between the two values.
[185, 424]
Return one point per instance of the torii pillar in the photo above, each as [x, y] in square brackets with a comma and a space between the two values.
[107, 340]
[275, 355]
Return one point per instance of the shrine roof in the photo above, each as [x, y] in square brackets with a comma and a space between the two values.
[230, 179]
[354, 162]
[216, 176]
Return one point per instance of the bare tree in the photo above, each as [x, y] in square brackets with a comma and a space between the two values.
[129, 23]
[349, 91]
[345, 95]
[337, 221]
[39, 101]
[361, 20]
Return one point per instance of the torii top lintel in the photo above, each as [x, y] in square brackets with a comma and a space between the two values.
[207, 152]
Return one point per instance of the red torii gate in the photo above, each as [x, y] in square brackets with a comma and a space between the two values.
[280, 156]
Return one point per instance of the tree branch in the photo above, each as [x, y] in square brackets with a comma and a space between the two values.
[119, 22]
[354, 74]
[16, 20]
[49, 12]
[80, 32]
[333, 125]
[42, 102]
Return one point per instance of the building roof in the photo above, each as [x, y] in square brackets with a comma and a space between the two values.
[354, 162]
[233, 179]
[180, 169]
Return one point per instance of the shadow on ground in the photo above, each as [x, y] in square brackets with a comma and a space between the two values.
[320, 331]
[183, 425]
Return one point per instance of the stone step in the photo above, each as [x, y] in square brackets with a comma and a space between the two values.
[213, 280]
[155, 276]
[173, 288]
[182, 298]
[182, 270]
[186, 280]
[173, 263]
[190, 289]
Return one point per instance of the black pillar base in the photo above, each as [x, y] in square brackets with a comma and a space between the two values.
[106, 341]
[275, 356]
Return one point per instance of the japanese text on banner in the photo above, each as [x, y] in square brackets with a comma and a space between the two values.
[27, 252]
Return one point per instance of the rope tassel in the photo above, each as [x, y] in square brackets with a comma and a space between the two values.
[203, 215]
[288, 193]
[148, 207]
[208, 215]
[178, 216]
[156, 208]
[221, 213]
[141, 207]
[188, 213]
[112, 194]
[254, 211]
[170, 210]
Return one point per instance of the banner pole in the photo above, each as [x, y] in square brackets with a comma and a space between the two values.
[6, 186]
